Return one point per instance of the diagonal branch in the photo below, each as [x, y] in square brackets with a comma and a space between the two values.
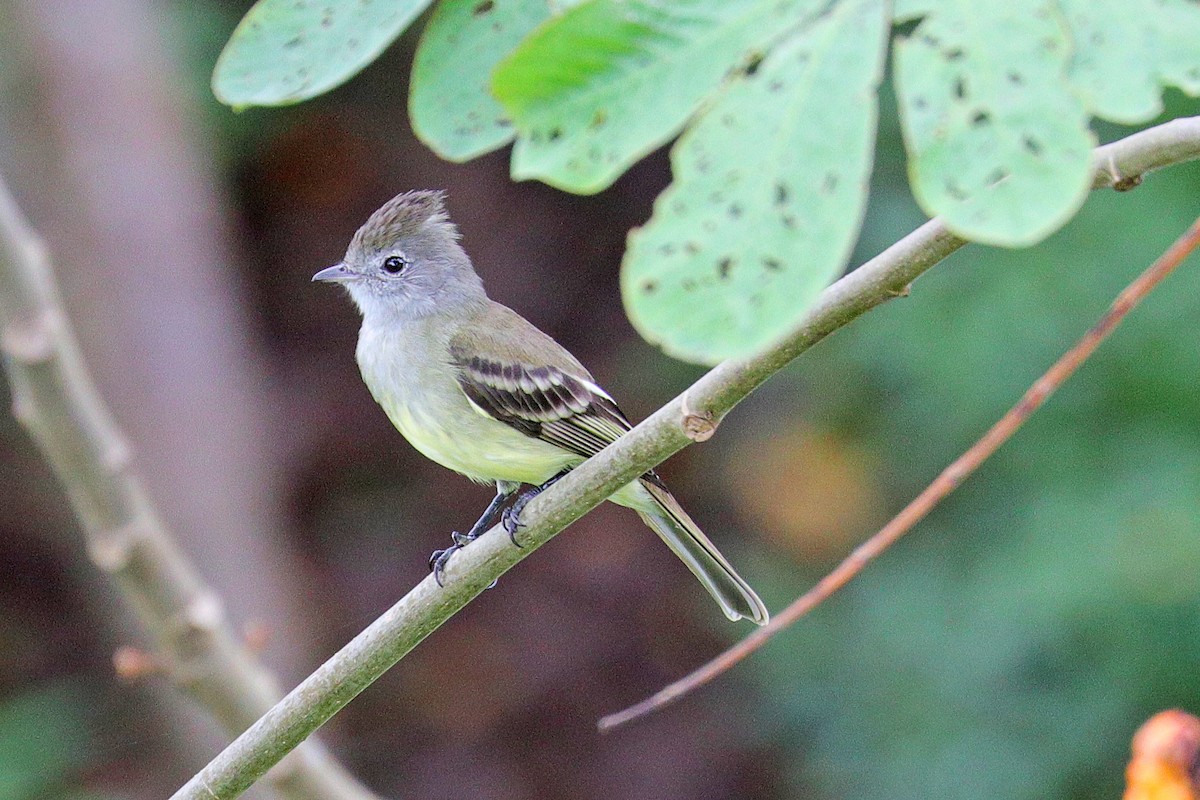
[690, 417]
[55, 399]
[945, 483]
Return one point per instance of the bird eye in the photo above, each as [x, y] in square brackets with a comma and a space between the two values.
[393, 265]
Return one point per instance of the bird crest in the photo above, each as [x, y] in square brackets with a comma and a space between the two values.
[403, 216]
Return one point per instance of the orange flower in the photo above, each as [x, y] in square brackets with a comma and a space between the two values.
[1166, 759]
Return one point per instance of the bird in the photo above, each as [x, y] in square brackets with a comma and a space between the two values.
[477, 388]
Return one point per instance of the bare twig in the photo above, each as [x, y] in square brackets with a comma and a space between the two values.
[945, 483]
[664, 433]
[54, 397]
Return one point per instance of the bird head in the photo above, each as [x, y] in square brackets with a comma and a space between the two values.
[405, 261]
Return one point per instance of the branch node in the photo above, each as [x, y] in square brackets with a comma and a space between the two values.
[256, 634]
[1122, 183]
[699, 426]
[116, 455]
[112, 550]
[30, 340]
[134, 664]
[24, 410]
[1127, 182]
[205, 613]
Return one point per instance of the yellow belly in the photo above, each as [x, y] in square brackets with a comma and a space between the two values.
[479, 447]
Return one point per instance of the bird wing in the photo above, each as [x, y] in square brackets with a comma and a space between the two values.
[542, 401]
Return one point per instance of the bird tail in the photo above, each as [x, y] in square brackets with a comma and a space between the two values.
[668, 519]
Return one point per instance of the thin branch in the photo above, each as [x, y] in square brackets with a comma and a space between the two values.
[945, 483]
[55, 399]
[668, 430]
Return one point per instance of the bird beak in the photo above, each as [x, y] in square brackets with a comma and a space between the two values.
[335, 274]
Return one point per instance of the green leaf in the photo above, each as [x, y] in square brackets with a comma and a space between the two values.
[285, 51]
[596, 89]
[43, 740]
[768, 194]
[984, 100]
[1126, 51]
[451, 103]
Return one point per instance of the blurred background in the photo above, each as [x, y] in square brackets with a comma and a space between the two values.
[1008, 648]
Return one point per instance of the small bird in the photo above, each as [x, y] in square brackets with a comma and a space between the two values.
[477, 388]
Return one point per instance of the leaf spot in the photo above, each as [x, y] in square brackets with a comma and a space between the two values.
[723, 267]
[482, 8]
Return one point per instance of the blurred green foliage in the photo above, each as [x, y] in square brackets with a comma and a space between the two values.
[44, 738]
[1013, 643]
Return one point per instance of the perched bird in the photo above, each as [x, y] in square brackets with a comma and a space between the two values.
[478, 389]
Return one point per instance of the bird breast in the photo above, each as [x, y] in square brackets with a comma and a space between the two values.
[409, 375]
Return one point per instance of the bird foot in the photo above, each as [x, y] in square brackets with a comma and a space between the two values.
[439, 558]
[511, 518]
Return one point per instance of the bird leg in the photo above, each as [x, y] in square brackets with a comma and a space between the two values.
[437, 561]
[511, 518]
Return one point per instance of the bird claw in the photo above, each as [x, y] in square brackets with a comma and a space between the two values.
[438, 560]
[510, 520]
[511, 516]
